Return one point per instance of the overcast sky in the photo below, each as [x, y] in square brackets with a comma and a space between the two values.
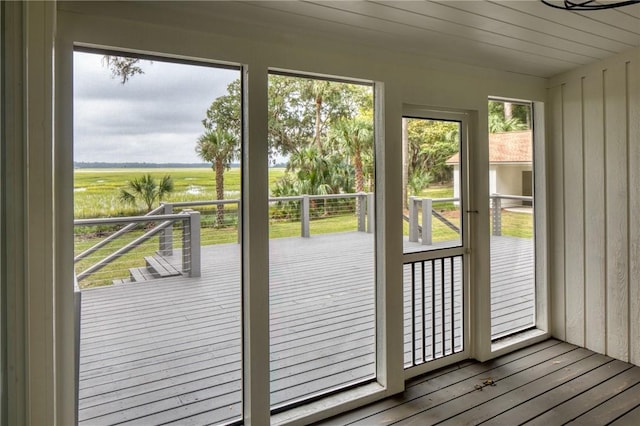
[154, 117]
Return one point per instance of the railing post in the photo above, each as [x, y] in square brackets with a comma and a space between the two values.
[191, 243]
[166, 236]
[497, 215]
[77, 302]
[239, 221]
[426, 221]
[304, 216]
[371, 212]
[413, 220]
[361, 211]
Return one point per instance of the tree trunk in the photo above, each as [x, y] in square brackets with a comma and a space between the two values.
[508, 110]
[318, 110]
[219, 169]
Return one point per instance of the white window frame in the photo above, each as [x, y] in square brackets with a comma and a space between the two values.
[542, 294]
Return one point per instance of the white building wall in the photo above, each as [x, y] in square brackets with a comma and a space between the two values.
[508, 181]
[493, 180]
[594, 154]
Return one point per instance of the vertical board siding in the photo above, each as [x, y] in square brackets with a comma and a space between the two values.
[574, 212]
[616, 211]
[594, 136]
[556, 228]
[594, 202]
[633, 120]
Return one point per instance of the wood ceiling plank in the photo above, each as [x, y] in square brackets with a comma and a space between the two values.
[427, 41]
[511, 25]
[466, 26]
[575, 20]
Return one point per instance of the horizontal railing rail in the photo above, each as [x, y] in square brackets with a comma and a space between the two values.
[165, 212]
[420, 224]
[191, 245]
[423, 231]
[364, 210]
[496, 210]
[113, 236]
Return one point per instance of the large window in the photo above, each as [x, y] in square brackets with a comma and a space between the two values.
[157, 253]
[322, 268]
[512, 199]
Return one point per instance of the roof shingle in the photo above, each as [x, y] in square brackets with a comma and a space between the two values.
[508, 147]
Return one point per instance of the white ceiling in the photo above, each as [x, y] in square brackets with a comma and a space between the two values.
[522, 36]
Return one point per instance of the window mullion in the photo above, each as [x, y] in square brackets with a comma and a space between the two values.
[255, 256]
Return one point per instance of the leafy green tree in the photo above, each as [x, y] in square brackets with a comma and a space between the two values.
[122, 67]
[224, 112]
[147, 189]
[302, 111]
[431, 144]
[312, 171]
[508, 117]
[418, 181]
[219, 148]
[320, 125]
[498, 124]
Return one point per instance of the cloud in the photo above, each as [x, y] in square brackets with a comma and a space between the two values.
[154, 117]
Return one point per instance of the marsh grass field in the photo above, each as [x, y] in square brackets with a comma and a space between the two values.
[96, 194]
[96, 190]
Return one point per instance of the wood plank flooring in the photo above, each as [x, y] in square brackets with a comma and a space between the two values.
[551, 383]
[168, 350]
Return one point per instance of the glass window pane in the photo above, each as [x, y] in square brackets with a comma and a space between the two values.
[512, 218]
[322, 269]
[160, 283]
[431, 184]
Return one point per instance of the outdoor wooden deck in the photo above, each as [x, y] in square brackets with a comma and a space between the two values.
[169, 350]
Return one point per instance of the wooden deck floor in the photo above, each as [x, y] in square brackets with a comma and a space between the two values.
[169, 350]
[551, 383]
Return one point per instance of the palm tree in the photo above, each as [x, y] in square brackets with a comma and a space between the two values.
[219, 148]
[498, 124]
[355, 137]
[312, 173]
[147, 189]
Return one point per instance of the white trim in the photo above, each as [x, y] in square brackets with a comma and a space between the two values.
[389, 300]
[255, 247]
[436, 364]
[14, 260]
[331, 405]
[543, 301]
[64, 230]
[31, 386]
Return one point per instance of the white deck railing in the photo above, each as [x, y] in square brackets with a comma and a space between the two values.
[364, 201]
[190, 239]
[421, 213]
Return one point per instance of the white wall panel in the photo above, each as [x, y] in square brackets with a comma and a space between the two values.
[594, 205]
[617, 226]
[633, 119]
[556, 228]
[595, 264]
[574, 211]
